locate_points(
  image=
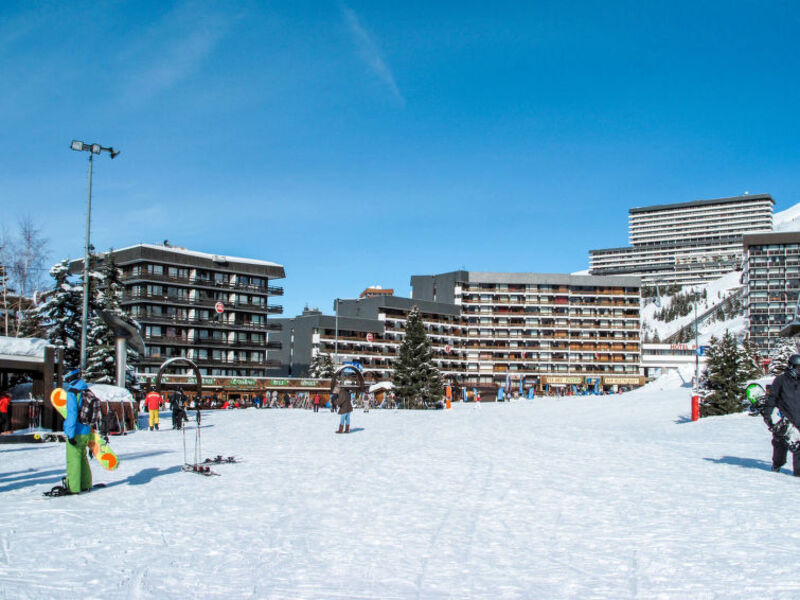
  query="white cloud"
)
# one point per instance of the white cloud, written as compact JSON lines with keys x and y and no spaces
{"x":370,"y":52}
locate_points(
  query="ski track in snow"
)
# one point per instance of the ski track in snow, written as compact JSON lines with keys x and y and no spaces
{"x":599,"y":497}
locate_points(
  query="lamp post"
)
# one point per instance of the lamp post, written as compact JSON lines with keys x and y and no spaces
{"x":336,"y":338}
{"x":92,"y":149}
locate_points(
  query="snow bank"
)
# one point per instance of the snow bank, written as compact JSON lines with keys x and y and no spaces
{"x":787,"y":220}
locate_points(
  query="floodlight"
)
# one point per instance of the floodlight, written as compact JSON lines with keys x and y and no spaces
{"x":95,"y":148}
{"x":76,"y":145}
{"x":113,"y":152}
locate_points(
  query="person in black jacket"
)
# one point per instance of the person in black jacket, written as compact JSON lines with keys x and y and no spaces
{"x":178,"y":400}
{"x":785,"y":396}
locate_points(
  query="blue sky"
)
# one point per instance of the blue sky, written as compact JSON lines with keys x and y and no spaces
{"x":360,"y":143}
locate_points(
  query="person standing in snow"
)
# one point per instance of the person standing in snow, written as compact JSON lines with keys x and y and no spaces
{"x":5,"y":412}
{"x":79,"y":475}
{"x":316,"y":402}
{"x":177,"y":402}
{"x":784,"y":394}
{"x":344,"y":404}
{"x":153,"y":402}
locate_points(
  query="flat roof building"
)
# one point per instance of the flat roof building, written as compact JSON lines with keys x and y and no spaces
{"x":772,"y":283}
{"x":175,"y":293}
{"x":688,"y":242}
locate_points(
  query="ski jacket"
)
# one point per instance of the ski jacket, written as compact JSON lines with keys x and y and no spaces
{"x":153,"y":401}
{"x":4,"y":401}
{"x":344,"y":404}
{"x":72,"y":426}
{"x":176,"y":402}
{"x":785,"y":395}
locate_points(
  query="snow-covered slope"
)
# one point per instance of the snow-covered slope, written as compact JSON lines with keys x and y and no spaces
{"x":591,"y":497}
{"x":716,"y":292}
{"x":787,"y":220}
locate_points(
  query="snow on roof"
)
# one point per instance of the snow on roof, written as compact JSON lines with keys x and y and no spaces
{"x":22,"y":347}
{"x":110,"y":393}
{"x":188,"y":252}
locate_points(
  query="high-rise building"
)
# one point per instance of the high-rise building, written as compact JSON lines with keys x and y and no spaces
{"x":771,"y":276}
{"x":209,"y":308}
{"x":688,"y":242}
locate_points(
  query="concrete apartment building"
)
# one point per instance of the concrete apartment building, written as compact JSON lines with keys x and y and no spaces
{"x":174,"y":293}
{"x":688,"y":242}
{"x":368,"y":331}
{"x":772,"y":283}
{"x":533,"y":329}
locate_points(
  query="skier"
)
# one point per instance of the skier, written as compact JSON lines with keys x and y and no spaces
{"x":317,"y":402}
{"x":5,"y":412}
{"x":344,"y":403}
{"x":153,"y":403}
{"x":178,"y":412}
{"x":79,"y":475}
{"x":784,"y":394}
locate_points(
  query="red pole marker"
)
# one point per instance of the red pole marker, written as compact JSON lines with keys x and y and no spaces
{"x":695,"y":407}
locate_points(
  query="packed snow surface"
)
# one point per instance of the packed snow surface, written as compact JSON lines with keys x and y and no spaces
{"x":592,"y":497}
{"x":24,"y":347}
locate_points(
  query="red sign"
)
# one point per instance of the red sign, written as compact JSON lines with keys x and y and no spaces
{"x":370,"y":337}
{"x":447,"y":349}
{"x":219,"y":307}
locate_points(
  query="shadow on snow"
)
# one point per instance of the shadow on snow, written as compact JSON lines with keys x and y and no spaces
{"x":745,"y":463}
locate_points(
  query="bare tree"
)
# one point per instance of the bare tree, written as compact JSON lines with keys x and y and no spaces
{"x":24,"y":256}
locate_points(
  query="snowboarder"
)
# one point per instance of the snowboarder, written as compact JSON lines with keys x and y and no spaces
{"x":784,"y":394}
{"x":79,"y":475}
{"x":5,"y":412}
{"x":153,"y":403}
{"x":344,"y":403}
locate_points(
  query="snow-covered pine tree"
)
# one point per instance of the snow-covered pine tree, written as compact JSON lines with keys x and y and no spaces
{"x":749,"y":362}
{"x":101,"y":359}
{"x":32,"y":324}
{"x":416,"y":381}
{"x":723,"y":379}
{"x":321,"y":366}
{"x":780,"y":356}
{"x":60,"y":314}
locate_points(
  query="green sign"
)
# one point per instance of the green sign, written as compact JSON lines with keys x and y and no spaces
{"x":244,"y":382}
{"x":278,"y":382}
{"x":308,"y":383}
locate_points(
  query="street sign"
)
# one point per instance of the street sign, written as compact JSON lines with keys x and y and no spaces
{"x":447,"y":349}
{"x":219,"y":307}
{"x":701,"y":351}
{"x":370,"y":337}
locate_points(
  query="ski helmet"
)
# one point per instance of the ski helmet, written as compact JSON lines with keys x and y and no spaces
{"x":794,"y":361}
{"x":74,"y":375}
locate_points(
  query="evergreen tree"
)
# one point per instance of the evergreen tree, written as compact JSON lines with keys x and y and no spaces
{"x":32,"y":323}
{"x":60,"y":314}
{"x":321,"y":366}
{"x":750,"y":363}
{"x":101,"y":341}
{"x":416,"y":381}
{"x":724,"y":378}
{"x":780,"y":357}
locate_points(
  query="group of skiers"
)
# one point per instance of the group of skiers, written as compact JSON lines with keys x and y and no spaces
{"x":153,"y":403}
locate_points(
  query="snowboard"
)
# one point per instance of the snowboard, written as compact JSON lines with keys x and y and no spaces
{"x":97,"y":445}
{"x":756,"y":395}
{"x":60,"y":490}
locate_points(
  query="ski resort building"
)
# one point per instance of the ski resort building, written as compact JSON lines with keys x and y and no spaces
{"x":688,"y":242}
{"x":210,"y":308}
{"x":524,"y":330}
{"x":772,"y":283}
{"x":368,"y":332}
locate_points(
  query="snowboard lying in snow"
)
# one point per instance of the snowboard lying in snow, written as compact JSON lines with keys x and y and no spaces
{"x":97,"y":445}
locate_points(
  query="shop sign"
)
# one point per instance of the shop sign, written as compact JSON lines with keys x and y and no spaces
{"x":244,"y":382}
{"x":562,"y":380}
{"x":308,"y":383}
{"x":278,"y":382}
{"x":621,"y":380}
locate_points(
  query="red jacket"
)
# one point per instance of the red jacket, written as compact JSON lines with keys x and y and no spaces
{"x":153,"y":401}
{"x":4,"y":400}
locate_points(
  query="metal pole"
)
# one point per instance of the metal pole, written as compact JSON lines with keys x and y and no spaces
{"x":336,"y":339}
{"x":122,"y":360}
{"x":696,"y":351}
{"x":84,"y":319}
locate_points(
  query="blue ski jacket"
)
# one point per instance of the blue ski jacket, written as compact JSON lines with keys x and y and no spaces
{"x":71,"y":425}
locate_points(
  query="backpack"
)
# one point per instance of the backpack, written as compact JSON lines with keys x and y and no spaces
{"x":88,"y":408}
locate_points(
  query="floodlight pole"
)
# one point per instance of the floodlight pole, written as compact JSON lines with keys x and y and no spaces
{"x":84,"y":318}
{"x":92,"y":149}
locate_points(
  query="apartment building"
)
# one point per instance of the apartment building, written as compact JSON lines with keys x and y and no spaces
{"x":538,"y":330}
{"x":210,"y":308}
{"x":688,"y":242}
{"x":772,"y":283}
{"x":368,"y":331}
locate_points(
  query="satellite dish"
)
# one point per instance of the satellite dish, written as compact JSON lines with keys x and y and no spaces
{"x":123,"y":330}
